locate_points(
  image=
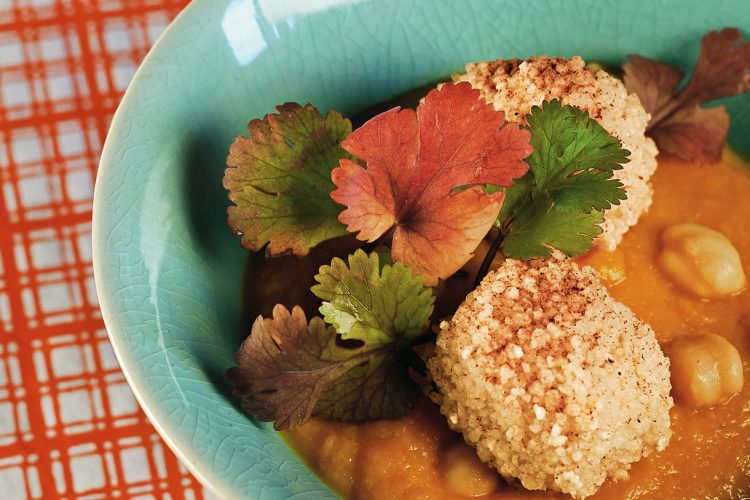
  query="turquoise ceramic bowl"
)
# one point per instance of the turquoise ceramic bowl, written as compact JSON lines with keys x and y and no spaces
{"x":168,"y":270}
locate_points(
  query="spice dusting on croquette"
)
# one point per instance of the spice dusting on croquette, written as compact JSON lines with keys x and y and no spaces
{"x":553,"y":381}
{"x":514,"y":86}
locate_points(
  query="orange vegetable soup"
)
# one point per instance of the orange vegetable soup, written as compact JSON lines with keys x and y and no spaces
{"x":709,"y":453}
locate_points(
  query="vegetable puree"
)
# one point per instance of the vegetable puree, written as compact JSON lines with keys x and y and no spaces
{"x":709,"y":453}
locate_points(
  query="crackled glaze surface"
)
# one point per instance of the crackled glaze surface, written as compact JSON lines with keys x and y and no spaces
{"x":168,"y":270}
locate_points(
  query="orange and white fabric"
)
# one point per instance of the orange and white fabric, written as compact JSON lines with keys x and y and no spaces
{"x":69,"y":424}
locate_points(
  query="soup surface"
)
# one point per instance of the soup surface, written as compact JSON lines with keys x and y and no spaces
{"x":709,"y":453}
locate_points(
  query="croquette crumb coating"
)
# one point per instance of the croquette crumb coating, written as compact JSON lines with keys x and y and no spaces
{"x":514,"y":86}
{"x":552,"y":380}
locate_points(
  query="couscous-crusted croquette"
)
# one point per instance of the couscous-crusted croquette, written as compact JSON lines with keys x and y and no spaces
{"x":553,"y":381}
{"x":514,"y":86}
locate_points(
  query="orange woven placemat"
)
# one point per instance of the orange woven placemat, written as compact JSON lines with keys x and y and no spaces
{"x":69,"y":425}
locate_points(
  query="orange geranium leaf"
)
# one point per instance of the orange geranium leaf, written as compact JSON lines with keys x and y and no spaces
{"x":414,"y":161}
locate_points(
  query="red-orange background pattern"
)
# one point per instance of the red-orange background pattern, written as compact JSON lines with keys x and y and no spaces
{"x":69,"y":425}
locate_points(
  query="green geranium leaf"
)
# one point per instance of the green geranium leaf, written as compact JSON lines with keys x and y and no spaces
{"x":279,"y":180}
{"x":355,"y":370}
{"x":365,"y":303}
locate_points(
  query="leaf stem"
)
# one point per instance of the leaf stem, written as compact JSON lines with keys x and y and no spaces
{"x":412,"y":360}
{"x":494,"y":248}
{"x":667,"y":110}
{"x":428,"y":337}
{"x":384,"y":240}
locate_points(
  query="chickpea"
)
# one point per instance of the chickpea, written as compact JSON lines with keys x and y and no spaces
{"x":706,"y":370}
{"x":701,"y":261}
{"x":464,"y":473}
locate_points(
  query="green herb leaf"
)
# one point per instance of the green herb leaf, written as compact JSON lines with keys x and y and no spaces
{"x":289,"y":369}
{"x":540,"y":226}
{"x":376,"y":307}
{"x":518,"y":193}
{"x":559,"y":202}
{"x":279,"y":180}
{"x":588,"y":190}
{"x":567,"y":142}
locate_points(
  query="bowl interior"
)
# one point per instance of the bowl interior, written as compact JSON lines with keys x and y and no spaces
{"x":168,"y":271}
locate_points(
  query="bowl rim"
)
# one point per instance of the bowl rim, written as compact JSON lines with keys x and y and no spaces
{"x":105,"y":161}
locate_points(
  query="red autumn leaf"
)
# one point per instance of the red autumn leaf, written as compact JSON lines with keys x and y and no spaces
{"x":414,"y":162}
{"x":695,"y":133}
{"x":654,"y":82}
{"x":678,"y":124}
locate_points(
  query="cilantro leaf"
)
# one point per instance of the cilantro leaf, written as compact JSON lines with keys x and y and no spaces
{"x":515,"y":195}
{"x":289,"y":369}
{"x":559,"y":202}
{"x":568,"y":143}
{"x":588,"y":190}
{"x":375,"y":306}
{"x":279,"y":180}
{"x":540,"y":226}
{"x":413,"y":163}
{"x":678,"y":124}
